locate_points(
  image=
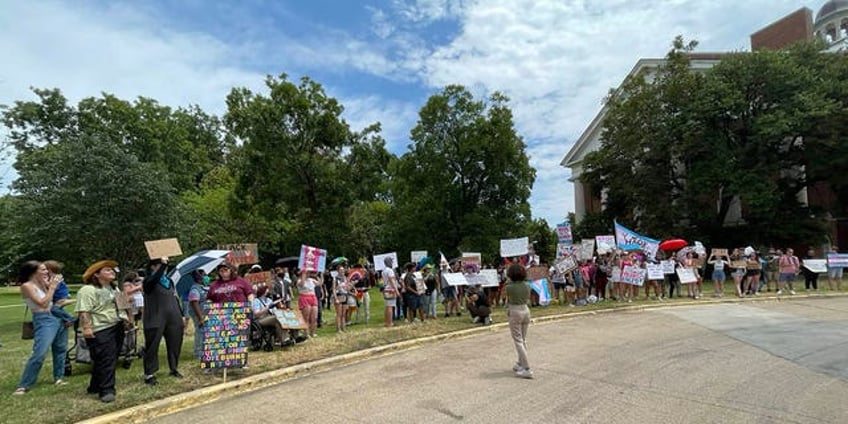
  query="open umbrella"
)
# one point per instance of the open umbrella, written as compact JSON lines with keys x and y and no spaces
{"x":340,"y":259}
{"x":206,"y":260}
{"x":287,"y":262}
{"x":673,"y":244}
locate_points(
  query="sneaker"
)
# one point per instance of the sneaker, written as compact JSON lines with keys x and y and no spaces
{"x":476,"y":320}
{"x":487,"y":321}
{"x":516,"y":367}
{"x":150,"y":380}
{"x":20,"y":391}
{"x":791,"y":291}
{"x":524,"y":374}
{"x":61,"y":382}
{"x":779,"y":292}
{"x":107,"y":398}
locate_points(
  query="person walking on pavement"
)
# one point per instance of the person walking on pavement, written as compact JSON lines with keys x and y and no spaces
{"x":163,"y":316}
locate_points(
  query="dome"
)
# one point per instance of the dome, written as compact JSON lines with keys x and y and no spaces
{"x":830,"y":7}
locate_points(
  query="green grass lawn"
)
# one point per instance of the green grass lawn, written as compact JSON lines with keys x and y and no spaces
{"x":46,"y":403}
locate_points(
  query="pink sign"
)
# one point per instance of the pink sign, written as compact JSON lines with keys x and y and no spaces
{"x":312,"y":259}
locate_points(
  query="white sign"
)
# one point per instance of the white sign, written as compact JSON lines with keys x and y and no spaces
{"x":655,"y":271}
{"x":564,"y":249}
{"x":379,"y":261}
{"x":616,"y":274}
{"x":491,"y":277}
{"x":633,"y":275}
{"x":565,"y":264}
{"x":605,"y":244}
{"x":472,"y":258}
{"x":686,"y":275}
{"x":417,"y":255}
{"x":587,"y":249}
{"x":668,"y":266}
{"x":511,"y":248}
{"x":815,"y":265}
{"x":455,"y":278}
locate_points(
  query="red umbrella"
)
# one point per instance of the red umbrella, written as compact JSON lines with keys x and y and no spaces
{"x":673,"y":244}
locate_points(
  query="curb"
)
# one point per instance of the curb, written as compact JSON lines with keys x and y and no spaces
{"x":194,"y":398}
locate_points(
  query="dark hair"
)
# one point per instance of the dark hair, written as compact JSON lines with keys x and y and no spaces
{"x":54,"y":266}
{"x":409,"y":267}
{"x":27,"y":269}
{"x":516,"y":272}
{"x":130,"y":277}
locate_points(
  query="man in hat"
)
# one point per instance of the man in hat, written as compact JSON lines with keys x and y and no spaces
{"x":102,"y":327}
{"x":163,"y":316}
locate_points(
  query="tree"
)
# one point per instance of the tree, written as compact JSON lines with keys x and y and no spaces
{"x":466,"y":180}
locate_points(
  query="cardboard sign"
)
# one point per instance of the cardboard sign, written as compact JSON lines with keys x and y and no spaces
{"x":668,"y":266}
{"x":472,"y":258}
{"x":566,"y":264}
{"x":718,"y":253}
{"x":290,"y":319}
{"x":739,"y":264}
{"x":241,"y":254}
{"x":537,"y":273}
{"x":511,"y":248}
{"x":312,"y":259}
{"x":417,"y":255}
{"x":226,"y":335}
{"x":455,"y":278}
{"x":837,"y":260}
{"x":655,"y":271}
{"x":258,"y":277}
{"x":633,"y":275}
{"x":380,"y":261}
{"x":816,"y":265}
{"x":163,"y":248}
{"x":687,"y":275}
{"x":123,"y":301}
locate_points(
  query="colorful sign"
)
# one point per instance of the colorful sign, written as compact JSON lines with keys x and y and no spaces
{"x":242,"y":253}
{"x":258,"y":277}
{"x":837,"y":260}
{"x":226,"y":335}
{"x":312,"y":259}
{"x":606,"y":244}
{"x":633,"y":275}
{"x":564,"y":232}
{"x":290,"y":319}
{"x":630,"y":240}
{"x":511,"y":248}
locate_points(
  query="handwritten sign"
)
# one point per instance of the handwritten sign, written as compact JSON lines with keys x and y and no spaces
{"x":514,"y":247}
{"x":226,"y":336}
{"x":312,"y":259}
{"x":686,"y":275}
{"x":655,"y":271}
{"x":417,"y":255}
{"x":633,"y":275}
{"x":258,"y":277}
{"x":290,"y":319}
{"x":380,"y":261}
{"x":815,"y":265}
{"x":587,"y":249}
{"x":491,"y":277}
{"x":163,"y":248}
{"x":472,"y":258}
{"x":739,"y":264}
{"x":566,"y":264}
{"x":717,"y":253}
{"x":605,"y":244}
{"x":564,"y":249}
{"x":241,"y":254}
{"x":537,"y":273}
{"x":564,"y":232}
{"x":837,"y":260}
{"x":455,"y":278}
{"x":668,"y":266}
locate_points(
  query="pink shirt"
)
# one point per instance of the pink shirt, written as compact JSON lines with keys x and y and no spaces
{"x":788,"y":264}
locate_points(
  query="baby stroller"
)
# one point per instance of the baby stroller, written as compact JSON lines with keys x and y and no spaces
{"x":80,"y":354}
{"x":129,"y":348}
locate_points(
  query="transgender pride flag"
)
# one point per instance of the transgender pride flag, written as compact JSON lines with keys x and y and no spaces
{"x":540,"y":286}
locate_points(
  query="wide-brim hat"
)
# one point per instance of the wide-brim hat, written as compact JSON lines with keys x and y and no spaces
{"x":97,"y":266}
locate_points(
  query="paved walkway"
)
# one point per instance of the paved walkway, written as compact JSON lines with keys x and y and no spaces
{"x":770,"y":362}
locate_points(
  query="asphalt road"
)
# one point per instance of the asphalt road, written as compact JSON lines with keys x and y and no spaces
{"x":770,"y":362}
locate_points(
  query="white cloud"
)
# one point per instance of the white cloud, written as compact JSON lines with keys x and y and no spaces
{"x":396,"y":118}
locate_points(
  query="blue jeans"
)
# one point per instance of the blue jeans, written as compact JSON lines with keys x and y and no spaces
{"x":62,"y":314}
{"x":48,"y":332}
{"x":430,"y":302}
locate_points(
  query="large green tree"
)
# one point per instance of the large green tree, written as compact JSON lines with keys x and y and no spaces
{"x":466,"y":180}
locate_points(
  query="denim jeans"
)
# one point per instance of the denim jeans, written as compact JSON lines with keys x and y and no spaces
{"x":430,"y":302}
{"x":49,"y":332}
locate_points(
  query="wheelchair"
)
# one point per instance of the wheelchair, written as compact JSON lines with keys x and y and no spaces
{"x":261,"y":338}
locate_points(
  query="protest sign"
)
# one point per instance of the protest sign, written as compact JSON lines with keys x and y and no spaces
{"x":564,"y":232}
{"x":605,"y":244}
{"x":511,"y":248}
{"x":417,"y":255}
{"x":123,"y":301}
{"x":241,"y":253}
{"x":472,"y":258}
{"x":837,"y":260}
{"x":668,"y":266}
{"x":380,"y":261}
{"x":564,"y":249}
{"x":455,"y":278}
{"x":739,"y":264}
{"x":686,"y":275}
{"x":717,"y":253}
{"x":630,"y":240}
{"x":566,"y":264}
{"x":537,"y":273}
{"x":615,"y":275}
{"x":163,"y":248}
{"x":290,"y":319}
{"x":655,"y":271}
{"x":225,"y":335}
{"x":257,"y":277}
{"x":815,"y":265}
{"x":491,"y":277}
{"x":312,"y":259}
{"x":633,"y":275}
{"x":587,"y":249}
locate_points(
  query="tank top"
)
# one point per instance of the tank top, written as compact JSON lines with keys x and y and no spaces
{"x":34,"y":306}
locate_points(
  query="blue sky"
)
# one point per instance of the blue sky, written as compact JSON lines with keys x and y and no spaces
{"x":556,"y":60}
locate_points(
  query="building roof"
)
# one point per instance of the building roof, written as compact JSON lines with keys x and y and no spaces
{"x":831,"y":7}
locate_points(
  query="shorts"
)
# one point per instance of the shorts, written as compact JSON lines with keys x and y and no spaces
{"x":753,"y":272}
{"x":449,"y":292}
{"x":307,"y":301}
{"x":786,"y":277}
{"x":351,"y":300}
{"x":738,"y":272}
{"x":559,"y":286}
{"x":341,"y":298}
{"x":835,"y":273}
{"x":719,"y":276}
{"x":413,"y":301}
{"x":391,"y":302}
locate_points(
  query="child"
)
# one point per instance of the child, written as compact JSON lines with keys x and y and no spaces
{"x":62,"y":296}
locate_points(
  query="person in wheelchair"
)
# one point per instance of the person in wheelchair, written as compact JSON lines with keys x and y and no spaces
{"x":263,"y":315}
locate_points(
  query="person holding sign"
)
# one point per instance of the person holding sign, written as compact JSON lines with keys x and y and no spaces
{"x":719,"y":276}
{"x":163,"y":317}
{"x":752,"y":275}
{"x":834,"y":273}
{"x":739,"y":269}
{"x":789,"y":267}
{"x":811,"y":278}
{"x":307,"y":302}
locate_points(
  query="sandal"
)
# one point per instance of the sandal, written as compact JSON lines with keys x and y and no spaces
{"x":19,"y":391}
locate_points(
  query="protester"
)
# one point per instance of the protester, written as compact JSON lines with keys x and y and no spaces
{"x":391,"y":290}
{"x":196,"y":299}
{"x":163,"y":318}
{"x":738,"y":271}
{"x":719,"y":276}
{"x":834,"y":274}
{"x":430,"y":292}
{"x":811,"y":278}
{"x":789,"y":267}
{"x":307,"y":302}
{"x":752,"y":274}
{"x":451,"y":301}
{"x":518,"y":294}
{"x":479,"y":307}
{"x":772,"y":268}
{"x":263,"y":313}
{"x":37,"y":291}
{"x":229,"y":287}
{"x":340,"y":293}
{"x":103,"y":326}
{"x":363,"y":286}
{"x":411,"y":297}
